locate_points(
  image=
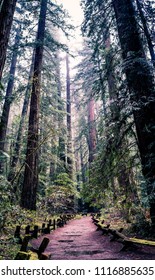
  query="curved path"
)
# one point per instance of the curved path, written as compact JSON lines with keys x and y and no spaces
{"x":79,"y":240}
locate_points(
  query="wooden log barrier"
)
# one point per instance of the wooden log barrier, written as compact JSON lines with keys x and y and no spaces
{"x":54,"y":224}
{"x":17,"y":234}
{"x":24,"y":255}
{"x":105,"y":229}
{"x":27,"y":229}
{"x":59,"y":223}
{"x":43,"y":228}
{"x":47,"y":230}
{"x":95,"y":221}
{"x":40,"y":250}
{"x":100,"y":226}
{"x":133,"y":242}
{"x":116,"y":234}
{"x":35,"y":232}
{"x":65,"y":219}
{"x":25,"y":243}
{"x":45,"y":256}
{"x":129,"y":242}
{"x":43,"y":246}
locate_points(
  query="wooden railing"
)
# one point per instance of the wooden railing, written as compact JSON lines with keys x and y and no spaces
{"x":23,"y":238}
{"x":117,"y":235}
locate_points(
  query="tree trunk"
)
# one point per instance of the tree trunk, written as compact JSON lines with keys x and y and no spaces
{"x":146,"y":30}
{"x":61,"y":148}
{"x":69,"y":125}
{"x":92,"y":130}
{"x":6,"y":18}
{"x":8,"y":99}
{"x":112,"y":88}
{"x":83,"y":169}
{"x":60,"y":153}
{"x":29,"y":190}
{"x":141,"y":85}
{"x":18,"y":142}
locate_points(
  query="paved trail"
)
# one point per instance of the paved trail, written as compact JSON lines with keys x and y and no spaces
{"x":79,"y":240}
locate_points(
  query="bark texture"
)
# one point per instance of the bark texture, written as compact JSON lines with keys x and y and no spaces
{"x":92,"y":129}
{"x":142,"y":91}
{"x":18,"y":142}
{"x":7,"y":9}
{"x":8,"y":99}
{"x":30,"y":184}
{"x":69,"y":123}
{"x":146,"y":30}
{"x":61,"y":149}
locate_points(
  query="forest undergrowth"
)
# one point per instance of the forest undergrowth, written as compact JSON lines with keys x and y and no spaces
{"x":9,"y":245}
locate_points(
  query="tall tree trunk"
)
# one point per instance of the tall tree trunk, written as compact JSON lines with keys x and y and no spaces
{"x":146,"y":30}
{"x":30,"y":184}
{"x":8,"y":100}
{"x":102,"y":87}
{"x":111,"y":79}
{"x":141,"y":85}
{"x":6,"y":18}
{"x":18,"y":142}
{"x":83,"y":169}
{"x":92,"y":129}
{"x":69,"y":124}
{"x":61,"y":148}
{"x":69,"y":129}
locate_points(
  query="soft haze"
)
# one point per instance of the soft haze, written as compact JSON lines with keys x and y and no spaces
{"x":74,"y":9}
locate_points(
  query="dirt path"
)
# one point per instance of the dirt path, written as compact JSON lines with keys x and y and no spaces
{"x":79,"y":240}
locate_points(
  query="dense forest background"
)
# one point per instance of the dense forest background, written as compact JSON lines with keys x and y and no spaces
{"x":77,"y":128}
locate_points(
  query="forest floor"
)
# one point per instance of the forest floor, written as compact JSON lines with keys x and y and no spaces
{"x":79,"y":240}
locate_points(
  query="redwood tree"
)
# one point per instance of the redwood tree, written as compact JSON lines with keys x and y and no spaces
{"x":18,"y":142}
{"x":7,"y":9}
{"x":142,"y":91}
{"x":146,"y":30}
{"x":69,"y":124}
{"x":61,"y":147}
{"x":29,"y":190}
{"x":8,"y":99}
{"x":91,"y":128}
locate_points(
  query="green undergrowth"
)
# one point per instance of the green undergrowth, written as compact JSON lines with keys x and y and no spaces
{"x":18,"y":216}
{"x":138,"y":226}
{"x":8,"y":247}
